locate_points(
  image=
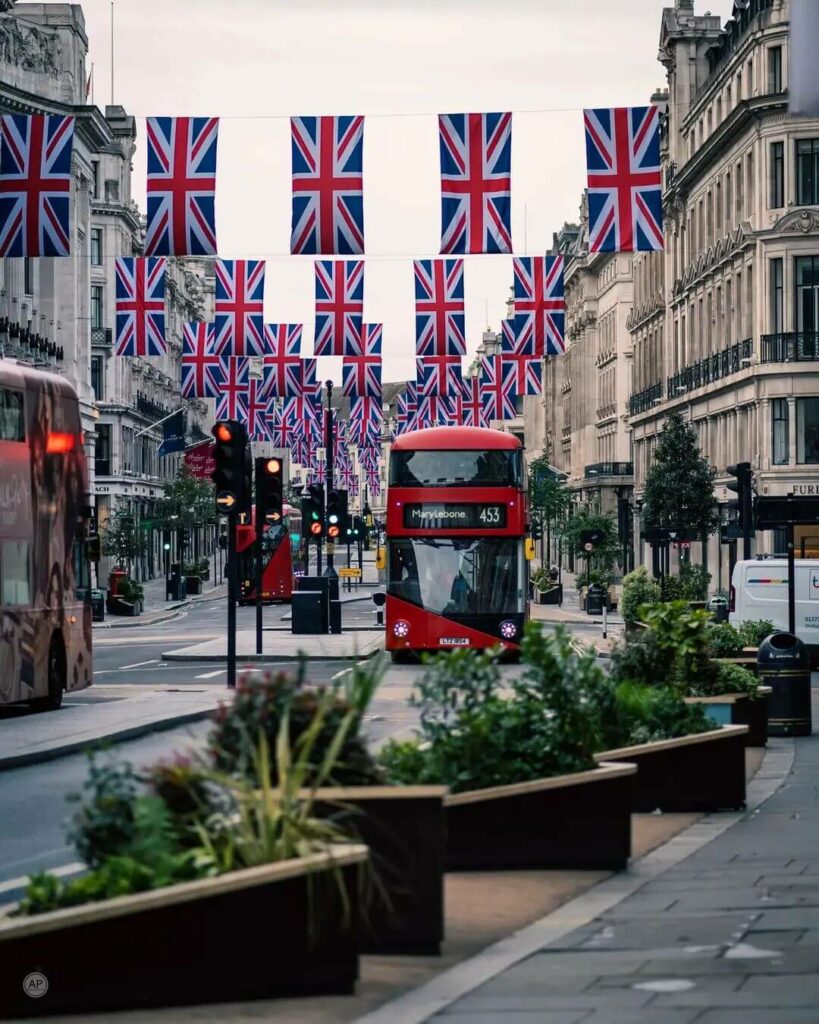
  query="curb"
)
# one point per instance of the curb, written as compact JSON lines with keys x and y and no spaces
{"x":172,"y":612}
{"x":124,"y":733}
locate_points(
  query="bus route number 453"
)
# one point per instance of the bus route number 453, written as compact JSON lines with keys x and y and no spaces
{"x":490,"y":515}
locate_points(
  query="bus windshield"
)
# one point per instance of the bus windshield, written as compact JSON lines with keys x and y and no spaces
{"x":457,"y":577}
{"x":479,"y":468}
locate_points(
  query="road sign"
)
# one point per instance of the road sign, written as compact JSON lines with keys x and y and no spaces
{"x":225,"y":500}
{"x":588,"y":547}
{"x":349,"y":573}
{"x":771,"y":512}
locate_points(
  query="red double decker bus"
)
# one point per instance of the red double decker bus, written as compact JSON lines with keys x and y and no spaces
{"x":457,"y":573}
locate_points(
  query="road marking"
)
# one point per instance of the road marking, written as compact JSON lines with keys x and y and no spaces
{"x":138,"y":664}
{"x":20,"y":883}
{"x":210,"y":675}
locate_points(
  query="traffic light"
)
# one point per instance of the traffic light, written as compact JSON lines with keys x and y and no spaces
{"x":93,"y":547}
{"x":537,"y":529}
{"x":334,"y":515}
{"x":312,"y":513}
{"x":270,"y":489}
{"x":166,"y":540}
{"x":232,"y":473}
{"x":184,"y":537}
{"x":741,"y":483}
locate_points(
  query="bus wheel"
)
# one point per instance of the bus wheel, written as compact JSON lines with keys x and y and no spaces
{"x":56,"y":675}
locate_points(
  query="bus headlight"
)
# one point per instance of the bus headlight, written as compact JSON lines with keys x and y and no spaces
{"x":400,"y":628}
{"x":509,"y":629}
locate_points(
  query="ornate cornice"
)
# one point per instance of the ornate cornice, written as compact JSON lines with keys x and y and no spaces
{"x":716,"y":255}
{"x":803,"y":221}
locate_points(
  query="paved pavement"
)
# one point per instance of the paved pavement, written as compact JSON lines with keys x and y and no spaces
{"x":730,"y":935}
{"x":352,"y":643}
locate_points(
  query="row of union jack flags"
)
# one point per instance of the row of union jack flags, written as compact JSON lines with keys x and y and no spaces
{"x":340,"y":330}
{"x":623,"y":178}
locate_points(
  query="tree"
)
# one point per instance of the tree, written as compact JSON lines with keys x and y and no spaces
{"x":120,"y":537}
{"x":679,"y":491}
{"x":187,"y":501}
{"x":549,"y":498}
{"x":604,"y":557}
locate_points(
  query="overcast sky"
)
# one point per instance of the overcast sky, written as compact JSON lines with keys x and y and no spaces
{"x":399,"y":62}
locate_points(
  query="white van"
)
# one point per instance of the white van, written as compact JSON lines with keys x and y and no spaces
{"x":759,"y":590}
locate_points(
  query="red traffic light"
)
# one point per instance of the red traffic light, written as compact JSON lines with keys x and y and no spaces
{"x":333,"y":531}
{"x":315,"y":529}
{"x":273,"y":466}
{"x":223,"y":433}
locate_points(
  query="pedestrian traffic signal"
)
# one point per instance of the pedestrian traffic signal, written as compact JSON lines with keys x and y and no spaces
{"x":232,"y":472}
{"x":312,"y":512}
{"x":270,"y":489}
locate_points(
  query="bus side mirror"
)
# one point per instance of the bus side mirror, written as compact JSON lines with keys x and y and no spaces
{"x":529,"y":549}
{"x":381,"y":559}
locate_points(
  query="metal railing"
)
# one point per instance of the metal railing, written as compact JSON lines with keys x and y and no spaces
{"x":147,"y":407}
{"x":610,"y":469}
{"x":714,"y":367}
{"x":790,"y":348}
{"x":645,"y":400}
{"x":101,"y":336}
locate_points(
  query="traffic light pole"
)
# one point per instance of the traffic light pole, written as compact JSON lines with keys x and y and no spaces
{"x":232,"y":582}
{"x":329,"y":455}
{"x":260,"y":520}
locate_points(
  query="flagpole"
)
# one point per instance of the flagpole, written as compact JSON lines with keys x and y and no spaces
{"x":158,"y":423}
{"x":112,"y":53}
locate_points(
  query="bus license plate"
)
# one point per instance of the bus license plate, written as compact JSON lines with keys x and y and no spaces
{"x":453,"y":641}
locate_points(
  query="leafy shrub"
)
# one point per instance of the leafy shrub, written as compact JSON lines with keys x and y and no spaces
{"x":258,"y":707}
{"x":694,"y":582}
{"x":642,"y":661}
{"x":753,"y":632}
{"x":105,"y":824}
{"x":724,"y":641}
{"x":728,"y":679}
{"x":682,"y":634}
{"x":648,"y":713}
{"x":130,"y":590}
{"x":473,"y":736}
{"x":638,"y":589}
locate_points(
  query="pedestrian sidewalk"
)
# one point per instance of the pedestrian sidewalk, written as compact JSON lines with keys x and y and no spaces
{"x":156,"y":609}
{"x":32,"y":738}
{"x":351,"y":644}
{"x":720,"y":926}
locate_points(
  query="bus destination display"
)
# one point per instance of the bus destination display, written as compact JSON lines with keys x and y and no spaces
{"x":448,"y":515}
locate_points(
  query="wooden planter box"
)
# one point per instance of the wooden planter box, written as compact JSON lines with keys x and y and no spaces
{"x":404,"y":828}
{"x":275,"y":930}
{"x":193,"y":585}
{"x":582,"y":820}
{"x":739,"y":709}
{"x":705,"y":772}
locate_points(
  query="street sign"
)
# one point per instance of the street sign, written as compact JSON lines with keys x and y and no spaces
{"x":782,"y":511}
{"x":349,"y":573}
{"x":225,"y":501}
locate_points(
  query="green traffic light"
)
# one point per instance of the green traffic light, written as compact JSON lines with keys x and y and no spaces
{"x":333,"y":519}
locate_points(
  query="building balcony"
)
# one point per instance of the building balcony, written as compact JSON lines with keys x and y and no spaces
{"x":613,"y":469}
{"x":645,"y":400}
{"x":101,"y":337}
{"x":790,"y":348}
{"x":147,"y":407}
{"x":712,"y":368}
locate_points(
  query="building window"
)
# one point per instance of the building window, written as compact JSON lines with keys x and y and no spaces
{"x":98,"y":377}
{"x":28,"y":276}
{"x":807,"y":172}
{"x":780,"y":440}
{"x":777,"y":320}
{"x":96,"y":307}
{"x":807,"y":431}
{"x":96,"y":247}
{"x":95,"y":171}
{"x":777,"y":200}
{"x":102,"y":453}
{"x":775,"y":69}
{"x":807,"y":294}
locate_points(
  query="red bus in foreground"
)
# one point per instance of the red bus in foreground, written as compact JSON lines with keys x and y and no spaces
{"x":45,"y":611}
{"x":456,"y":531}
{"x":277,"y":560}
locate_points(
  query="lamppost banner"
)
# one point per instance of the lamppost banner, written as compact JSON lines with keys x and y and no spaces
{"x":199,"y":460}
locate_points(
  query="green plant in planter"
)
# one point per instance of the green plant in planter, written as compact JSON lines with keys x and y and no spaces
{"x":753,"y":632}
{"x":648,"y":713}
{"x":474,"y":735}
{"x":729,"y":678}
{"x":724,"y":641}
{"x":260,"y":701}
{"x":130,"y":590}
{"x":682,"y":633}
{"x":638,"y":589}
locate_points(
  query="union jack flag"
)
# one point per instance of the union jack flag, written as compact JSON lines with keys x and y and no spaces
{"x":240,"y":307}
{"x":438,"y":375}
{"x":140,"y":307}
{"x":362,"y":373}
{"x":497,"y":389}
{"x":35,"y":184}
{"x":202,"y":368}
{"x":318,"y":473}
{"x":303,"y":410}
{"x":282,"y":365}
{"x":328,"y":185}
{"x":258,"y":412}
{"x":374,"y":482}
{"x":525,"y":372}
{"x":439,"y":307}
{"x":348,"y":478}
{"x":339,"y":307}
{"x":300,"y":450}
{"x":366,"y":417}
{"x":181,"y":186}
{"x":476,"y":182}
{"x":623,"y":162}
{"x":540,"y":305}
{"x":437,"y":411}
{"x":472,"y":410}
{"x":232,"y":403}
{"x":285,"y":427}
{"x":368,"y":458}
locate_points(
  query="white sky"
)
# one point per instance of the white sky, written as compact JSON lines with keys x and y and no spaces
{"x":400,"y":62}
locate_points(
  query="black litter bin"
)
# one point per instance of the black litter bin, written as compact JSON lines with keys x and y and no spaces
{"x":783,"y":664}
{"x":97,"y":606}
{"x":594,"y":599}
{"x":311,"y":605}
{"x":176,"y":588}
